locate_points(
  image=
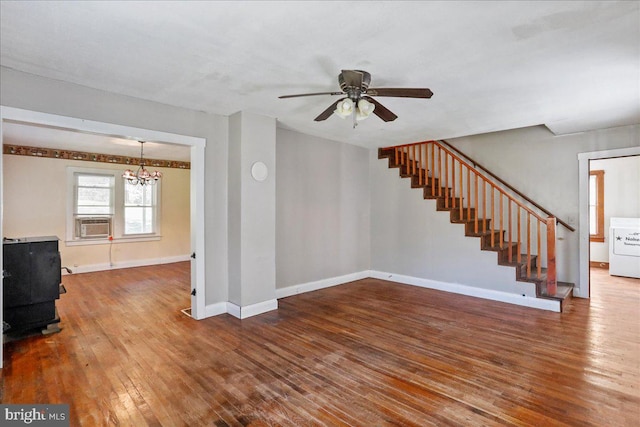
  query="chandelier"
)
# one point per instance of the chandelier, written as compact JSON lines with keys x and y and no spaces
{"x":141,"y":176}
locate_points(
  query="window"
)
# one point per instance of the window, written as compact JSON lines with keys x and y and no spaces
{"x":102,"y":204}
{"x":139,"y":208}
{"x":93,"y":194}
{"x":596,"y":206}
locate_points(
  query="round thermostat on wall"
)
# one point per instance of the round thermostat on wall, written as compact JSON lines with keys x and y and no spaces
{"x":259,"y":171}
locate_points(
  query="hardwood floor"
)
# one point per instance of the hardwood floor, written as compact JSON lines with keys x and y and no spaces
{"x":368,"y":353}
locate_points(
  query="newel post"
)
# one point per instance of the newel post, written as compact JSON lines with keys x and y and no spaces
{"x":552,"y":285}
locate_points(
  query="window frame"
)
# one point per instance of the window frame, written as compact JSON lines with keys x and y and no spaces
{"x":117,"y":216}
{"x":598,"y":237}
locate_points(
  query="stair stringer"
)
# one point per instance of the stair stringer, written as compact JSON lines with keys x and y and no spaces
{"x":410,"y":238}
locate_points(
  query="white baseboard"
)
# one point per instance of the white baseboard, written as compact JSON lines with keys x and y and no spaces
{"x":320,"y":284}
{"x":517,"y":299}
{"x":215,"y":309}
{"x":251,"y":310}
{"x":126,"y":264}
{"x":263,"y":307}
{"x":580,"y":293}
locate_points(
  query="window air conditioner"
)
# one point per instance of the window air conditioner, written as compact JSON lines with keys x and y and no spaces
{"x":93,"y":228}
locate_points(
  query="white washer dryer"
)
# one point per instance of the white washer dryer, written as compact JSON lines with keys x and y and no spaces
{"x":624,"y":247}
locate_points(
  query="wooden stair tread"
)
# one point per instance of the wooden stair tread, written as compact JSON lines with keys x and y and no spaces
{"x":497,"y":247}
{"x":468,"y":216}
{"x":564,"y":294}
{"x":564,"y":291}
{"x":495,"y":231}
{"x":523,"y":260}
{"x":534,"y":278}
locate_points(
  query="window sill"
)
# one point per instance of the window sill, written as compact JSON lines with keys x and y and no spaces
{"x":132,"y":239}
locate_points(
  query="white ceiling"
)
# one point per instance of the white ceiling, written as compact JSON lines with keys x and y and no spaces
{"x":492,"y":66}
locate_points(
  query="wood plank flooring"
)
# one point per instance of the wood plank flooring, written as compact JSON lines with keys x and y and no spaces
{"x":368,"y":353}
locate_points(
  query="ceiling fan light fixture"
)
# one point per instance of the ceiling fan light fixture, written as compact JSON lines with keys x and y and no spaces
{"x":357,"y":98}
{"x":344,"y":108}
{"x":365,"y":108}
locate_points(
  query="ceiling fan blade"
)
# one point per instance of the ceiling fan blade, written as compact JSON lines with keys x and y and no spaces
{"x":328,"y":112}
{"x":401,"y":92}
{"x":310,"y":94}
{"x":352,"y":78}
{"x":381,"y":111}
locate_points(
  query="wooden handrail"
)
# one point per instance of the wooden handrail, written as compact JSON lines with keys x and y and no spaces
{"x":446,"y":172}
{"x":492,"y":185}
{"x":510,"y":187}
{"x":494,"y":176}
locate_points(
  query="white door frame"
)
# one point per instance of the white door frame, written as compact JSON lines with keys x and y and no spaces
{"x":197,"y":182}
{"x":583,"y":207}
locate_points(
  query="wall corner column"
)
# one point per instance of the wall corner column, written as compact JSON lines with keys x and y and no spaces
{"x":252,"y":214}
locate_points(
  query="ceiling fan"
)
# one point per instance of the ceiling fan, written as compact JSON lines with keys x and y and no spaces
{"x":358,"y":100}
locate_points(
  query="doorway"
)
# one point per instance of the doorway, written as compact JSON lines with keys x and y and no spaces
{"x":614,"y":197}
{"x":196,"y":146}
{"x":584,"y":170}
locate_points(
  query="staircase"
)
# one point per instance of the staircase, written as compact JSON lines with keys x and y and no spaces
{"x":522,"y":233}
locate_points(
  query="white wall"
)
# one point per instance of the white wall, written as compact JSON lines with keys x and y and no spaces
{"x":409,"y":237}
{"x":621,"y":196}
{"x":545,"y":167}
{"x":235,"y":208}
{"x":252,"y":229}
{"x":322,"y":209}
{"x":26,"y":91}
